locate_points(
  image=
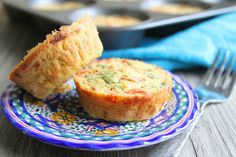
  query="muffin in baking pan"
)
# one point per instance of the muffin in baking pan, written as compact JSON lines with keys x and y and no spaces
{"x":60,"y":6}
{"x":176,"y":9}
{"x":123,"y":90}
{"x":115,"y":20}
{"x":51,"y":63}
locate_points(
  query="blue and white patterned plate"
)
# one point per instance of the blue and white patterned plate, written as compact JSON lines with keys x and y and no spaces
{"x":60,"y":120}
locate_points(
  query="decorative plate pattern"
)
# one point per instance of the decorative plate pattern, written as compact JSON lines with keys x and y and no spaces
{"x":60,"y":120}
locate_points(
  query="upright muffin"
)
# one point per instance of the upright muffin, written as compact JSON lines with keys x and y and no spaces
{"x":54,"y":61}
{"x":122,"y":89}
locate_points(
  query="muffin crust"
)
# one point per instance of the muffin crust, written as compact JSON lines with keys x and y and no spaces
{"x":51,"y":63}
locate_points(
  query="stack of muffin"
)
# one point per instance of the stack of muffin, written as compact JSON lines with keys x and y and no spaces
{"x":111,"y":89}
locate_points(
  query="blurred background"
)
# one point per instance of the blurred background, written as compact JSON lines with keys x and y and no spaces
{"x":121,"y":23}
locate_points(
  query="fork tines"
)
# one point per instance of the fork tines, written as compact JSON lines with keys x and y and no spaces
{"x":221,"y":75}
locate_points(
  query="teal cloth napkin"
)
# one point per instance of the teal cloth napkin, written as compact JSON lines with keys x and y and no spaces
{"x":195,"y":46}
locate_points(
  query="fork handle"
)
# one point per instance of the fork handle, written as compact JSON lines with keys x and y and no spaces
{"x":181,"y":140}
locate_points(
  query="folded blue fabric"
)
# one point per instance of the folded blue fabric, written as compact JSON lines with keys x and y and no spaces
{"x":196,"y":46}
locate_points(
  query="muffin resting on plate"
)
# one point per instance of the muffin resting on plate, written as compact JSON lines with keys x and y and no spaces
{"x":122,"y":89}
{"x":54,"y":61}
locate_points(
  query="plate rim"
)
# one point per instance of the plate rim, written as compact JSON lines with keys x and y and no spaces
{"x":124,"y":146}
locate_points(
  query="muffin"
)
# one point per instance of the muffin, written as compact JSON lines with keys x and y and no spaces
{"x":176,"y":9}
{"x":115,"y":20}
{"x":122,"y":90}
{"x":60,"y":6}
{"x":54,"y":61}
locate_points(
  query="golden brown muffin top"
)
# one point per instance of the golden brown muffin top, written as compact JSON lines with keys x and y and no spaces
{"x":122,"y":76}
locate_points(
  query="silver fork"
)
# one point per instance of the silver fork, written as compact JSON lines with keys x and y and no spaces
{"x":215,"y":87}
{"x":218,"y":82}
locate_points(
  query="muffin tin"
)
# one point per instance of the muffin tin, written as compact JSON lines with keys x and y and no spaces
{"x":116,"y":37}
